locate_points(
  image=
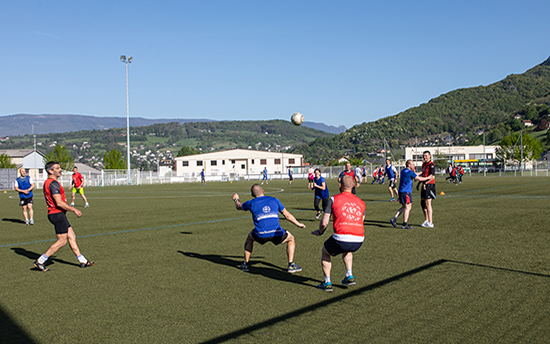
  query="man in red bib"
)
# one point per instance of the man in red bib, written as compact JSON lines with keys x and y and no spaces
{"x":348,"y":213}
{"x":57,"y":207}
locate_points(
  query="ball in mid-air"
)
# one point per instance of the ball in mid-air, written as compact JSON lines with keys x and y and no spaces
{"x":297,"y":118}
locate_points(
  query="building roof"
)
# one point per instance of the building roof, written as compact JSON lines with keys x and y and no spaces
{"x":237,"y":154}
{"x":18,"y":153}
{"x":83,"y":168}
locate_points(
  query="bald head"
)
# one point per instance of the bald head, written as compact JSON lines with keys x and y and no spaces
{"x":346,"y":183}
{"x":256,"y":190}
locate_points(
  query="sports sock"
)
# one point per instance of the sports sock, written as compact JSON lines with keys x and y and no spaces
{"x":404,"y":223}
{"x":81,"y":259}
{"x":348,"y":273}
{"x":42,"y":259}
{"x":327,"y":279}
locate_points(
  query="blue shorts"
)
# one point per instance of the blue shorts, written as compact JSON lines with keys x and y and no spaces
{"x":335,"y":247}
{"x":405,"y":198}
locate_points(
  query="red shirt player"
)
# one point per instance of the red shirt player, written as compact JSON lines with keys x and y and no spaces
{"x":78,"y":186}
{"x":428,"y":189}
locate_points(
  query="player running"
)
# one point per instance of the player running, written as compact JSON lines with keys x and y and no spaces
{"x":265,"y":214}
{"x":405,"y":193}
{"x":78,"y":186}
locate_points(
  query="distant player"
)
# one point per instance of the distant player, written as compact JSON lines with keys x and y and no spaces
{"x":310,"y":177}
{"x":264,"y":176}
{"x":428,"y":189}
{"x":321,"y":192}
{"x":24,"y":185}
{"x":78,"y":186}
{"x":349,"y":172}
{"x":290,"y":176}
{"x":265,"y":214}
{"x":460,"y":173}
{"x":391,"y":172}
{"x":405,"y":194}
{"x":348,"y":214}
{"x":203,"y":178}
{"x":357,"y":172}
{"x":57,"y":207}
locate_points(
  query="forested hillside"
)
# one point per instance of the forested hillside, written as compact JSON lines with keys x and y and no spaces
{"x":461,"y":115}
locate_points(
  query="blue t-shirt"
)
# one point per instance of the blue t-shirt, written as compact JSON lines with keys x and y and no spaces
{"x":265,"y":214}
{"x":322,"y":194}
{"x":406,"y":181}
{"x":390,"y":172}
{"x":24,"y":184}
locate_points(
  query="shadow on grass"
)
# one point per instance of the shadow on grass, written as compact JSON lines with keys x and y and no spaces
{"x":257,"y":267}
{"x":14,"y":220}
{"x":11,"y":332}
{"x":356,"y":292}
{"x":381,"y":224}
{"x":186,"y":233}
{"x":34,"y":256}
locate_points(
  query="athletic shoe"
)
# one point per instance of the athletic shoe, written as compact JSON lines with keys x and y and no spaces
{"x":87,"y":205}
{"x":424,"y":224}
{"x":406,"y":227}
{"x":40,"y":267}
{"x":391,"y":200}
{"x":244,"y":267}
{"x":27,"y":223}
{"x":348,"y":280}
{"x":392,"y":221}
{"x":87,"y":264}
{"x":292,"y":268}
{"x":326,"y":286}
{"x":72,"y":204}
{"x":32,"y":222}
{"x":430,"y":225}
{"x":317,"y":216}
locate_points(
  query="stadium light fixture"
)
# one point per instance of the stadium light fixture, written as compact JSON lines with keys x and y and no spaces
{"x":127,"y":61}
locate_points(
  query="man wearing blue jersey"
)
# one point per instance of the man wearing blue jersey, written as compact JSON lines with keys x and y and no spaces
{"x":264,"y":176}
{"x":265,"y":214}
{"x":24,"y":185}
{"x":321,"y":192}
{"x":405,"y":193}
{"x":391,"y":172}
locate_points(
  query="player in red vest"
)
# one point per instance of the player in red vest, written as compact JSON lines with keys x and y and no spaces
{"x":428,"y":189}
{"x":78,"y":186}
{"x":348,"y":214}
{"x":57,"y":207}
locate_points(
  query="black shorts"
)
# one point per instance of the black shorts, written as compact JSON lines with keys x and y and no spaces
{"x":392,"y":183}
{"x":335,"y":247}
{"x":60,"y":222}
{"x":429,"y":192}
{"x":24,"y":201}
{"x":276,"y":240}
{"x":290,"y":178}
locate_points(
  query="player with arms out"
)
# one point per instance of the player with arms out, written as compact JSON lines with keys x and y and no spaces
{"x":24,"y":185}
{"x":57,"y":207}
{"x":348,"y":214}
{"x":428,"y":189}
{"x":405,"y":193}
{"x":265,"y":214}
{"x":78,"y":186}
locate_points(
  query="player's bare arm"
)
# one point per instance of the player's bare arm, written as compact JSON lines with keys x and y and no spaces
{"x":63,"y":205}
{"x":238,"y":204}
{"x":322,"y":225}
{"x":292,"y":219}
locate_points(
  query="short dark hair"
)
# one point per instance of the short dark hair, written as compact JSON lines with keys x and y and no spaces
{"x":49,"y":166}
{"x":427,"y":152}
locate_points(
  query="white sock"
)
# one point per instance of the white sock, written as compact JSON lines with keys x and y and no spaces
{"x":348,"y":273}
{"x":327,"y":279}
{"x":82,"y":259}
{"x":43,"y":259}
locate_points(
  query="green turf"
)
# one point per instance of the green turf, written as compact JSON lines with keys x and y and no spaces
{"x":167,"y":255}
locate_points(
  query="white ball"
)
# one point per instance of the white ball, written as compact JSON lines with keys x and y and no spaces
{"x":297,"y":118}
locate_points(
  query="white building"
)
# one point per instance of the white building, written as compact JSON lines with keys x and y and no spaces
{"x":29,"y":159}
{"x":242,"y":163}
{"x":454,"y":152}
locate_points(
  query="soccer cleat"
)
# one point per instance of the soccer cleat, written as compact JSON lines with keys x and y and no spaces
{"x":392,"y":221}
{"x":87,"y":264}
{"x":317,"y":216}
{"x":326,"y":286}
{"x":244,"y":267}
{"x":292,"y":268}
{"x":40,"y":267}
{"x":406,"y":227}
{"x":424,"y":224}
{"x":348,"y":280}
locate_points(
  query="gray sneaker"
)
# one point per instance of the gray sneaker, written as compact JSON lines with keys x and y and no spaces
{"x":406,"y":227}
{"x":292,"y":268}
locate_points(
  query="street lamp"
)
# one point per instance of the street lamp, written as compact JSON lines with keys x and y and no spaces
{"x":127,"y":61}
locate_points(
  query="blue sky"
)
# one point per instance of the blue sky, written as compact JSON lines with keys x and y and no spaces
{"x":339,"y":63}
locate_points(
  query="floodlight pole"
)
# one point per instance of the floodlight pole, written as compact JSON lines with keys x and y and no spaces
{"x":127,"y":61}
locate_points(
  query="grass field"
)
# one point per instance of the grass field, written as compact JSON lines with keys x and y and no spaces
{"x":167,"y":255}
